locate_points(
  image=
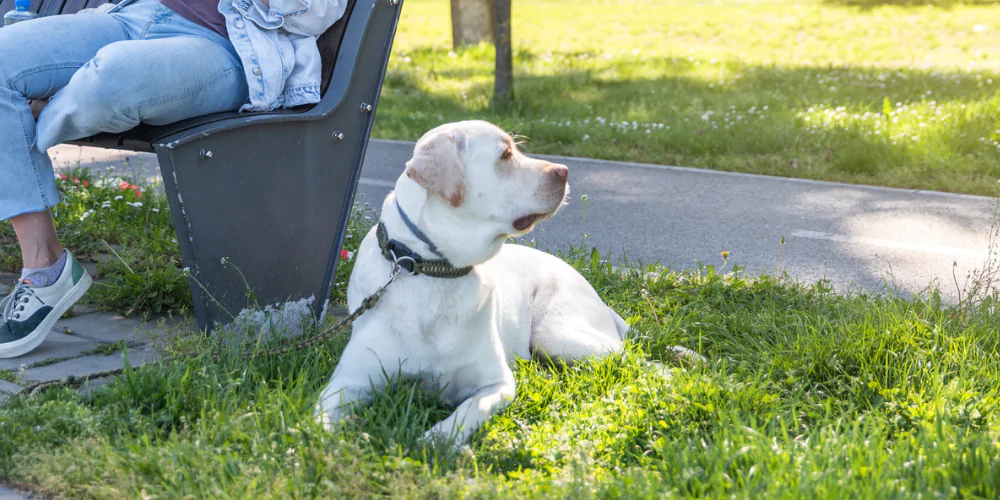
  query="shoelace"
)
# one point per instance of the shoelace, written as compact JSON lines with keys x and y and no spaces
{"x":14,"y":303}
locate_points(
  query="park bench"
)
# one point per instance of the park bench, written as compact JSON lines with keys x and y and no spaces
{"x":271,"y":192}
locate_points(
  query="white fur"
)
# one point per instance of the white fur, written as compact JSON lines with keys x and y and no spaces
{"x":460,"y":335}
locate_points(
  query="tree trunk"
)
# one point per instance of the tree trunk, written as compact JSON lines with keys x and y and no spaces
{"x":503,"y":76}
{"x":471,"y":22}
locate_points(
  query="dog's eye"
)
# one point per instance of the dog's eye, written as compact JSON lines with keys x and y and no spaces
{"x":507,"y":154}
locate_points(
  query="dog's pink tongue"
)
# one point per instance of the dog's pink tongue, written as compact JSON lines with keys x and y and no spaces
{"x":525,"y":222}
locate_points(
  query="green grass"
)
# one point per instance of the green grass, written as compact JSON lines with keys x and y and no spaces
{"x":48,"y":361}
{"x":895,"y":95}
{"x":100,"y":212}
{"x":106,"y":349}
{"x":808,"y":393}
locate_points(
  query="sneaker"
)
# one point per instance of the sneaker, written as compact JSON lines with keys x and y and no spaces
{"x":30,"y":312}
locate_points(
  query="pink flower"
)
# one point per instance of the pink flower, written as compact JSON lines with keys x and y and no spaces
{"x":344,"y":255}
{"x":85,"y":183}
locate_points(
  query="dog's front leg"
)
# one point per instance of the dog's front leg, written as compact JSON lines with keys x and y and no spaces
{"x":359,"y":372}
{"x":473,"y":412}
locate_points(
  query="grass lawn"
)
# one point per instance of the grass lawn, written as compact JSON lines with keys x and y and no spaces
{"x":807,"y":394}
{"x":874,"y":93}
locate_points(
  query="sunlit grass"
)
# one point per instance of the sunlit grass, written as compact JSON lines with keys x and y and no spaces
{"x":807,"y":394}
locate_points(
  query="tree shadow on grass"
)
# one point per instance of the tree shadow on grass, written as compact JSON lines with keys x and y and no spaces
{"x":825,"y":123}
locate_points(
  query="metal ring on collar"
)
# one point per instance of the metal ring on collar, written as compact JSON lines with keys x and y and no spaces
{"x":399,"y":268}
{"x":406,"y":271}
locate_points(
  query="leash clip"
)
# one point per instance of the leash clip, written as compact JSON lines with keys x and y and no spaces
{"x":403,"y":266}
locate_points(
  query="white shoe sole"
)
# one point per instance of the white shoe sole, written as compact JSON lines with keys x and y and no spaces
{"x":29,"y":343}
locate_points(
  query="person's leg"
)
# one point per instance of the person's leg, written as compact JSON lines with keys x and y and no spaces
{"x":118,"y":89}
{"x":36,"y":233}
{"x":178,"y":71}
{"x":43,"y":56}
{"x":49,"y":51}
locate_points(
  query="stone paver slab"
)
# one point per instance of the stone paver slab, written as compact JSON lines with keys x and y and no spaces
{"x":9,"y":494}
{"x":91,"y":268}
{"x":8,"y":387}
{"x":80,"y":309}
{"x":86,"y":365}
{"x":102,"y":327}
{"x":56,"y":345}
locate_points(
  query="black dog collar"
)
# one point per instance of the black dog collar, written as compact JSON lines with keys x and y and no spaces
{"x":401,"y":255}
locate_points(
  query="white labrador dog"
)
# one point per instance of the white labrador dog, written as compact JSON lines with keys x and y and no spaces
{"x":466,"y":190}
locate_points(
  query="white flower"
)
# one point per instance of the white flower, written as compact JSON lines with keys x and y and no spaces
{"x":119,"y":198}
{"x":106,"y":204}
{"x":86,"y":214}
{"x":156,"y":210}
{"x":586,"y":137}
{"x":979,"y":28}
{"x":137,"y":204}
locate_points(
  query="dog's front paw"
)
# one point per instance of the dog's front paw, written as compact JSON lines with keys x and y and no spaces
{"x":328,"y":419}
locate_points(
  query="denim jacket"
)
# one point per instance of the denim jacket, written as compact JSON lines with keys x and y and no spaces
{"x":277,"y":46}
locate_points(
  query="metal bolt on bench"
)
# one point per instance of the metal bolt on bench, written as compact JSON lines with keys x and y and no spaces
{"x":268,"y":192}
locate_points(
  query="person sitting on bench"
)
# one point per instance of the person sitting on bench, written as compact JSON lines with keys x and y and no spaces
{"x":153,"y":61}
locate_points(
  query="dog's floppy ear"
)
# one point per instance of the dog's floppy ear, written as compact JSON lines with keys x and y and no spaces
{"x":436,"y":166}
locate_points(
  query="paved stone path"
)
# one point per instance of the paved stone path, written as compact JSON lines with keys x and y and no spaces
{"x":81,"y":343}
{"x":9,"y":494}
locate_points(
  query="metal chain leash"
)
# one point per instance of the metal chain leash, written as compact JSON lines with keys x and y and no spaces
{"x":367,"y":304}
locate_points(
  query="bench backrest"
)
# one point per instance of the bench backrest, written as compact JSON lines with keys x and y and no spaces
{"x":329,"y":43}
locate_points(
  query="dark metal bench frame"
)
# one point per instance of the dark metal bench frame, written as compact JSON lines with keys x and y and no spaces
{"x":261,"y":201}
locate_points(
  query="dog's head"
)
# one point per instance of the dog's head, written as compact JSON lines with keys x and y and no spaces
{"x":480,"y":187}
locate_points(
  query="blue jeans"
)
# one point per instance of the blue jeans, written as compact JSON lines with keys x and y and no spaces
{"x":103,"y":73}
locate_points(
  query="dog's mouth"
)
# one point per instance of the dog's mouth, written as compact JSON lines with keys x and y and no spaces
{"x":525,"y":222}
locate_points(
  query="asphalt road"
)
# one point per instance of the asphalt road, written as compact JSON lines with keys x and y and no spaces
{"x":857,"y":237}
